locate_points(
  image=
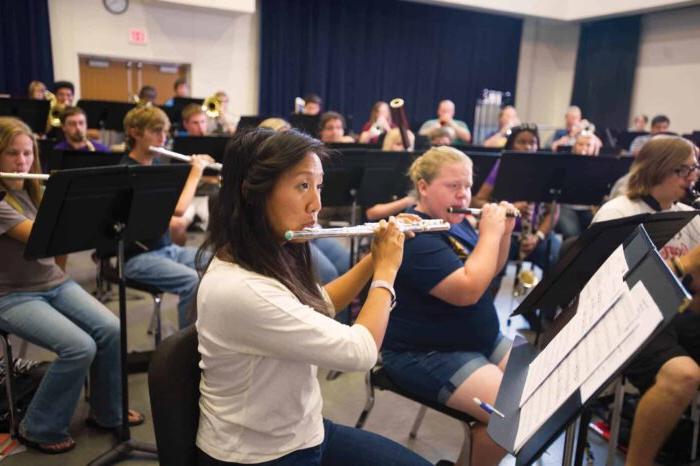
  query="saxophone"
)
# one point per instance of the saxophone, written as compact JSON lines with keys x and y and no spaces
{"x":525,"y":279}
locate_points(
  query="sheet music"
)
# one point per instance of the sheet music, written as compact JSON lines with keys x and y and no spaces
{"x":612,"y":340}
{"x":595,"y":300}
{"x":648,"y":317}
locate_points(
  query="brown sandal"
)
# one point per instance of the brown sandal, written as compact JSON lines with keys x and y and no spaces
{"x":49,"y":448}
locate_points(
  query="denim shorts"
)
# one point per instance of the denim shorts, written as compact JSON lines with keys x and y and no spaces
{"x":436,"y":375}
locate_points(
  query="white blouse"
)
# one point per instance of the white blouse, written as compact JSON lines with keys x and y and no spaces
{"x":260,"y":348}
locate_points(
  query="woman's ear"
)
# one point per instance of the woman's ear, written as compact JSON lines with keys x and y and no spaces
{"x":422,"y":187}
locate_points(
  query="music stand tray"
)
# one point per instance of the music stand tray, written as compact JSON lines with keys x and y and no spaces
{"x":70,"y":159}
{"x":105,"y":114}
{"x":103,"y":208}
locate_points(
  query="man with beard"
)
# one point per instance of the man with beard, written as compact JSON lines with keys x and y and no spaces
{"x":74,"y":127}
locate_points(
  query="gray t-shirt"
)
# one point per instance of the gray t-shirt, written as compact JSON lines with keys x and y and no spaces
{"x":17,"y":273}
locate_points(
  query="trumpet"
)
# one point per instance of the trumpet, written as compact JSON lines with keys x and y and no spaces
{"x":182,"y":157}
{"x":24,"y":176}
{"x":212,"y":106}
{"x":367,"y":229}
{"x":477,"y":212}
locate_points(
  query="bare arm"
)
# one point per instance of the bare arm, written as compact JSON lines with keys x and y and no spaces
{"x":483,"y":196}
{"x":462,"y":133}
{"x":385,"y":210}
{"x":343,"y":289}
{"x":198,"y":164}
{"x":21,"y":231}
{"x":466,"y":285}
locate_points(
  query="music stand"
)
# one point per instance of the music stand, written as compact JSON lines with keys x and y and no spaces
{"x":547,"y":177}
{"x":211,"y":145}
{"x":250,"y":121}
{"x":104,"y":114}
{"x":308,"y":124}
{"x":483,"y":163}
{"x":68,"y":159}
{"x":34,"y":113}
{"x":570,"y":273}
{"x":104,"y":208}
{"x":644,"y":265}
{"x":625,"y":138}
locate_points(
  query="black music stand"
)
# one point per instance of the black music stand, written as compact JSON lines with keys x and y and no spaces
{"x":645,"y":266}
{"x":68,"y":159}
{"x":104,"y":114}
{"x":34,"y":113}
{"x":483,"y":163}
{"x":105,"y":208}
{"x":250,"y":121}
{"x":308,"y":124}
{"x":625,"y":138}
{"x":571,"y":272}
{"x":211,"y":145}
{"x":547,"y":177}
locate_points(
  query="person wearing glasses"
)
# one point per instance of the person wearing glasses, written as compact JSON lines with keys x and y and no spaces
{"x":666,"y":370}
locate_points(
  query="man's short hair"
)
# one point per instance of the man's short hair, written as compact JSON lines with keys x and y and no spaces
{"x":660,"y":119}
{"x":190,"y":110}
{"x":142,"y":118}
{"x":69,"y":112}
{"x":62,"y":85}
{"x":179,"y":82}
{"x":313,"y":98}
{"x":148,"y":92}
{"x":328,"y":116}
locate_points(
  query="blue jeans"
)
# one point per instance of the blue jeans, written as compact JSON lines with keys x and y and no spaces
{"x":572,"y":222}
{"x":85,"y":336}
{"x":172,"y":269}
{"x":540,"y":256}
{"x":330,"y":258}
{"x":342,"y":446}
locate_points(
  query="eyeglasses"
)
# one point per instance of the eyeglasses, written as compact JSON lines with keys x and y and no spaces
{"x":685,"y":170}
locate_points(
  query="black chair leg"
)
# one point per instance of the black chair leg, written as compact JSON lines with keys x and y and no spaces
{"x":368,"y":405}
{"x":9,"y":377}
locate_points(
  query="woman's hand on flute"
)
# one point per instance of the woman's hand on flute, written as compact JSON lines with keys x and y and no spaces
{"x":200,"y":161}
{"x":387,"y":250}
{"x":510,"y":221}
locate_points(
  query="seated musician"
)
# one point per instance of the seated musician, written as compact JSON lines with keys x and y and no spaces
{"x":379,"y":123}
{"x":540,"y":246}
{"x":443,"y":342}
{"x":442,"y":136}
{"x":666,"y":370}
{"x":36,"y":90}
{"x":161,"y":263}
{"x":74,"y":127}
{"x":40,"y":303}
{"x":332,"y":128}
{"x":574,"y":218}
{"x":446,"y":117}
{"x":265,"y":325}
{"x":507,"y":118}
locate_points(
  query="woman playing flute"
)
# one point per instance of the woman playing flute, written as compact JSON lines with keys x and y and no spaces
{"x":265,"y":325}
{"x":40,"y":303}
{"x":443,"y":342}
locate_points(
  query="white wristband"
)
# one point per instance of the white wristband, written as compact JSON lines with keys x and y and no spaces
{"x":387,"y":286}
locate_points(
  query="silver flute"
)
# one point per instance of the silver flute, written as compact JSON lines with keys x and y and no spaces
{"x":367,"y":229}
{"x":24,"y":176}
{"x":477,"y":212}
{"x":182,"y":157}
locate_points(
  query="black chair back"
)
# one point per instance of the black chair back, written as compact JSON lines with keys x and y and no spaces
{"x":173,"y":381}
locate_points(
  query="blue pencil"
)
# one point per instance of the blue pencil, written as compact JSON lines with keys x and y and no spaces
{"x":488,"y":408}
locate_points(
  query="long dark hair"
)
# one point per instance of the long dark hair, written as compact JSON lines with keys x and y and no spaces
{"x":240,"y":231}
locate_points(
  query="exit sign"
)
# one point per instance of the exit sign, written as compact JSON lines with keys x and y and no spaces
{"x":138,"y":36}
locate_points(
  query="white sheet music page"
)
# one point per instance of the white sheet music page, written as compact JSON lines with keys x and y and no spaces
{"x":646,"y":316}
{"x":597,"y":297}
{"x":614,"y":338}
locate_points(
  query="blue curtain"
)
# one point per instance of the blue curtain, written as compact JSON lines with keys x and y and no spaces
{"x":355,"y":52}
{"x":605,"y":67}
{"x":25,"y":45}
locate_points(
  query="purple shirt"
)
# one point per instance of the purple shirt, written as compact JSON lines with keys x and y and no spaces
{"x":63,"y":145}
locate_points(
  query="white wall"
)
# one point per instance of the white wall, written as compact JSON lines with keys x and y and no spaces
{"x":546,"y":71}
{"x":222,"y":47}
{"x":667,"y":79}
{"x":563,"y":10}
